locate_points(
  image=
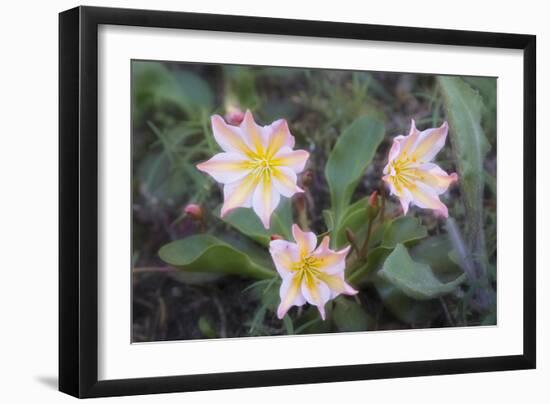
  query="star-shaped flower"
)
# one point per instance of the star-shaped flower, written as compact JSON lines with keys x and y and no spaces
{"x":411,"y":175}
{"x":258,"y":165}
{"x":309,"y":274}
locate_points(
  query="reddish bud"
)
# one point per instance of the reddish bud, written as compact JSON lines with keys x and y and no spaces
{"x":300,"y":202}
{"x":194,"y":211}
{"x":276,"y":237}
{"x":307,"y":178}
{"x":373,"y":199}
{"x":234,"y":116}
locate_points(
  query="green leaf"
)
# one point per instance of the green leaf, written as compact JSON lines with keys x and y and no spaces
{"x":247,"y":222}
{"x":154,"y":85}
{"x":355,"y":218}
{"x":374,"y":262}
{"x":437,"y":252}
{"x":310,"y":321}
{"x":464,"y":108}
{"x":487,"y":87}
{"x":194,"y":92}
{"x":329,"y":219}
{"x":413,"y":312}
{"x":403,"y":230}
{"x":289,"y":326}
{"x":349,"y":159}
{"x":350,"y":316}
{"x":205,"y":253}
{"x":414,"y":279}
{"x":354,"y":222}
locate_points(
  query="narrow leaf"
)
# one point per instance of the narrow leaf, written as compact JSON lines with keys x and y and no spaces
{"x":349,"y":159}
{"x":464,"y":108}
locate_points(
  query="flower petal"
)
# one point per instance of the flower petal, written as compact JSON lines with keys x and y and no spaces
{"x":405,"y":198}
{"x":425,"y":197}
{"x":284,"y":181}
{"x":436,"y":178}
{"x":290,"y":294}
{"x":238,"y":194}
{"x":294,"y":159}
{"x":307,"y":241}
{"x":278,"y":135}
{"x":317,"y":293}
{"x":395,"y":150}
{"x":429,"y":143}
{"x":332,"y":262}
{"x":337,"y":284}
{"x":285,"y":254}
{"x":411,"y":139}
{"x":265,"y":200}
{"x":253,"y":134}
{"x":226,"y":167}
{"x":230,"y":138}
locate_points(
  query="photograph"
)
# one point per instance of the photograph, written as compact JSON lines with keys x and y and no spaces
{"x":278,"y":201}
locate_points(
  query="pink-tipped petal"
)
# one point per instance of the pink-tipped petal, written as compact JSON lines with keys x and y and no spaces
{"x":316,"y":293}
{"x":429,"y":143}
{"x":349,"y":290}
{"x":290,"y":294}
{"x":264,"y":201}
{"x":395,"y":149}
{"x":434,"y":177}
{"x":278,"y":135}
{"x":285,"y":254}
{"x":425,"y":197}
{"x":294,"y":159}
{"x":253,"y":133}
{"x":331,"y":262}
{"x":405,"y":200}
{"x":238,"y":194}
{"x":226,"y":167}
{"x":307,"y":241}
{"x":284,"y":181}
{"x":335,"y":283}
{"x":230,"y":138}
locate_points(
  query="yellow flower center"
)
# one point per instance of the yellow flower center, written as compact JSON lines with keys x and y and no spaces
{"x":308,"y":269}
{"x":405,"y":172}
{"x":262,"y":167}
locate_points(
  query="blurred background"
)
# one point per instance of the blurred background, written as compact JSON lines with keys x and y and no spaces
{"x":171,"y":108}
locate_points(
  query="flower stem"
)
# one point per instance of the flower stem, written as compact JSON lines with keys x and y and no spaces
{"x":363,"y":252}
{"x":383,"y":203}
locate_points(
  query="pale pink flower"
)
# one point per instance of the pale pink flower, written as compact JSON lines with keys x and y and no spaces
{"x":258,"y":165}
{"x":410,"y":174}
{"x":309,"y":274}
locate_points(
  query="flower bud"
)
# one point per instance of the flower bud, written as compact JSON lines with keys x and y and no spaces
{"x":194,"y":211}
{"x":276,"y":237}
{"x":350,"y":236}
{"x":234,"y":116}
{"x":373,"y":207}
{"x":299,"y":202}
{"x":373,"y":200}
{"x":307,"y":178}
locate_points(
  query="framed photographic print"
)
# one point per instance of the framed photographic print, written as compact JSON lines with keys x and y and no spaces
{"x":251,"y":201}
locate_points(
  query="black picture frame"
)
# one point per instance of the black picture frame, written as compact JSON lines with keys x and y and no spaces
{"x":78,"y":201}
